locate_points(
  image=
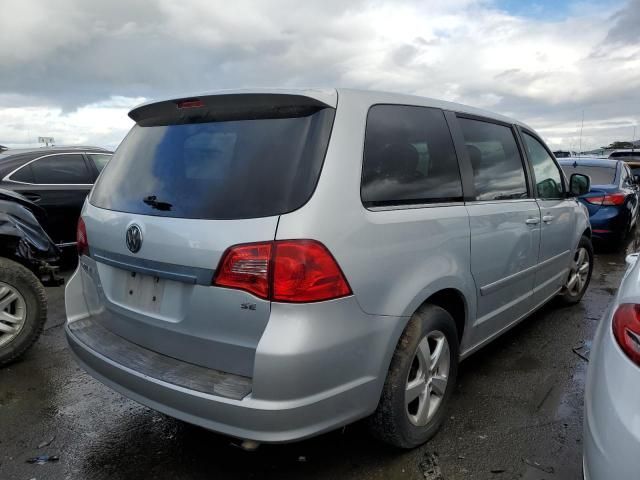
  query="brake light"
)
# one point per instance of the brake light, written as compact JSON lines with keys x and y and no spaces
{"x":607,"y":200}
{"x":296,"y":271}
{"x":190,"y":103}
{"x":626,"y":330}
{"x":82,"y":242}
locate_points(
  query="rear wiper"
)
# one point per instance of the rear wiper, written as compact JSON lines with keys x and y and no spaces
{"x":153,"y":203}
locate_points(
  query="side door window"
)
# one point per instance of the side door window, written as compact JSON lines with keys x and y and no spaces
{"x":409,"y":157}
{"x":63,"y":169}
{"x":498,"y":172}
{"x":628,"y":177}
{"x":549,"y":183}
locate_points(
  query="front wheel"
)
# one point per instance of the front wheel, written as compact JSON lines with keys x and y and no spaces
{"x":23,"y":310}
{"x":420,"y":381}
{"x":579,"y":273}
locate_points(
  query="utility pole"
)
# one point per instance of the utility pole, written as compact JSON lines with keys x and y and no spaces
{"x":581,"y":127}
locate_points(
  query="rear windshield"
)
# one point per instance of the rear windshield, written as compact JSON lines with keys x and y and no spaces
{"x":217,"y":170}
{"x":598,"y":175}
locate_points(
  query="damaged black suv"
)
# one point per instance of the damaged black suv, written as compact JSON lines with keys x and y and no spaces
{"x":27,"y":259}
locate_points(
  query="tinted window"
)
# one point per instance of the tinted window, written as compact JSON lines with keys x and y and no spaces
{"x":61,"y":169}
{"x":99,"y":160}
{"x":497,"y":167}
{"x":548,"y":179}
{"x":598,"y":175}
{"x":217,"y":170}
{"x":25,"y":174}
{"x":635,"y":153}
{"x":625,"y":176}
{"x":408,"y":157}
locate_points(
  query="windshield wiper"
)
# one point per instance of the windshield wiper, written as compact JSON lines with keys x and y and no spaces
{"x":153,"y":203}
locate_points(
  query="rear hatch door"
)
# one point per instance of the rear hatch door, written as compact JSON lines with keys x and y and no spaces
{"x":193,"y":178}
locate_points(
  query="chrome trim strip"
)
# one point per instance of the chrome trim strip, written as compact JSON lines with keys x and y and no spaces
{"x":7,"y":177}
{"x":492,"y":287}
{"x":414,"y":206}
{"x":512,"y":200}
{"x":170,"y":271}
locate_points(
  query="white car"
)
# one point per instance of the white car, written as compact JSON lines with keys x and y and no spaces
{"x":612,"y":416}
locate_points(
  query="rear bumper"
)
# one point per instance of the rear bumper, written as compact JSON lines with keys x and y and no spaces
{"x":609,"y":223}
{"x":248,"y":418}
{"x":317,"y":367}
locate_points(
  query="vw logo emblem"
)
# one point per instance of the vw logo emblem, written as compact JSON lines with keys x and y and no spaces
{"x":134,"y":238}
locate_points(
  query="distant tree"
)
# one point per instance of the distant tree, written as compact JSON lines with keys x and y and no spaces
{"x":616,"y":145}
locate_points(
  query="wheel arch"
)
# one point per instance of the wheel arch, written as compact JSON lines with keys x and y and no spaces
{"x":453,"y":301}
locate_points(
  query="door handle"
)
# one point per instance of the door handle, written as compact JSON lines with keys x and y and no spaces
{"x":532,"y":221}
{"x":548,"y":218}
{"x":34,"y":197}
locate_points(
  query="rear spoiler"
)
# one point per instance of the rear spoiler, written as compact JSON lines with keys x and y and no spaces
{"x":225,"y":107}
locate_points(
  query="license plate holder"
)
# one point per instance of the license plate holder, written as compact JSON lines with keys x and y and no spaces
{"x":144,"y":292}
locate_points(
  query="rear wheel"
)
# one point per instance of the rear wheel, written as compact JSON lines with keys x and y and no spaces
{"x":420,"y":380}
{"x":23,"y":310}
{"x":579,"y":274}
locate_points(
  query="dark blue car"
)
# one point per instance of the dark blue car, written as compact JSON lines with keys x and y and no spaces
{"x":613,"y":199}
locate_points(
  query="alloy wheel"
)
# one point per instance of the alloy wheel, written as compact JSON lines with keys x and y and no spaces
{"x":13,"y":313}
{"x":579,"y":272}
{"x":427,"y":379}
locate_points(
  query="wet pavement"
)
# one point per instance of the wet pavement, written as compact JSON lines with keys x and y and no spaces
{"x":516,"y":413}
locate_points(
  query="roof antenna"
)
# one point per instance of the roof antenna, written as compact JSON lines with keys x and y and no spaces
{"x":581,"y":127}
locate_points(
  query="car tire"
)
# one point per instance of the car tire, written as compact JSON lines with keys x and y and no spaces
{"x":29,"y":304}
{"x":570,"y":295}
{"x":406,"y":424}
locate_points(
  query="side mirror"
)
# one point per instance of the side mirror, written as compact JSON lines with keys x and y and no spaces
{"x":579,"y":184}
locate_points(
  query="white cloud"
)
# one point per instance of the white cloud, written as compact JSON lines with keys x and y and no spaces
{"x":65,"y":58}
{"x":101,"y":124}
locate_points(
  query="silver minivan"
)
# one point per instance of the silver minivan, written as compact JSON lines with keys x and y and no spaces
{"x":276,"y":264}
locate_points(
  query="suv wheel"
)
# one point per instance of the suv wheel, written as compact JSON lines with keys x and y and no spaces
{"x":23,"y":310}
{"x":579,"y":273}
{"x":421,"y":379}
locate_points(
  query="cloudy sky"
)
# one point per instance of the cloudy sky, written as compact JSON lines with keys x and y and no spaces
{"x":72,"y":69}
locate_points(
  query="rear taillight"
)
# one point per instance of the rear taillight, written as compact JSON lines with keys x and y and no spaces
{"x":626,"y":330}
{"x":246,"y":267}
{"x":82,"y":243}
{"x":607,"y":200}
{"x":283,"y":271}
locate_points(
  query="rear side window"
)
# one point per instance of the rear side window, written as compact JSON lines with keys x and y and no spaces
{"x":409,"y":157}
{"x":25,"y":174}
{"x":100,"y":160}
{"x":548,"y":178}
{"x":217,"y":169}
{"x":64,"y":169}
{"x":635,"y":153}
{"x":598,"y":175}
{"x":498,"y":172}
